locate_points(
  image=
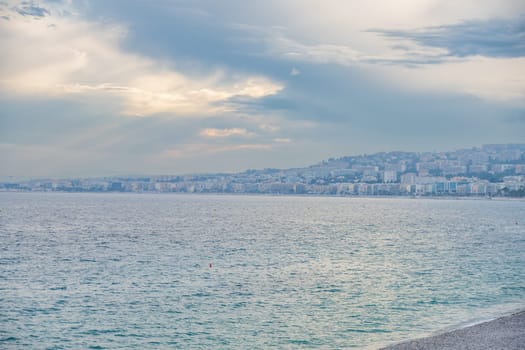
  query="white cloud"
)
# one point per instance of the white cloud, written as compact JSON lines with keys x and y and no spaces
{"x":337,"y":22}
{"x":269,"y":127}
{"x":283,"y":46}
{"x":221,"y":133}
{"x":495,"y":79}
{"x":339,"y":32}
{"x":57,"y":56}
{"x":201,"y":149}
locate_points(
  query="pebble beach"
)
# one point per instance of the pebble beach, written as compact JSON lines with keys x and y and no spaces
{"x":503,"y":333}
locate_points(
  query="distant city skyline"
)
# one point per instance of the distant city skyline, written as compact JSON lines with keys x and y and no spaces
{"x":473,"y":149}
{"x":97,"y":88}
{"x":495,"y":170}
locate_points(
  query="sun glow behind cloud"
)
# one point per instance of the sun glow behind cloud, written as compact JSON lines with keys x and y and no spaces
{"x":60,"y":56}
{"x":234,"y":85}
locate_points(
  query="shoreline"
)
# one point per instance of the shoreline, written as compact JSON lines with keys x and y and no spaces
{"x":306,"y":195}
{"x":505,"y":332}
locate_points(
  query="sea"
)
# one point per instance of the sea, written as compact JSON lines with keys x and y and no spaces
{"x":182,"y":271}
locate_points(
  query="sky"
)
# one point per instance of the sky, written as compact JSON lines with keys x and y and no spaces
{"x":136,"y":87}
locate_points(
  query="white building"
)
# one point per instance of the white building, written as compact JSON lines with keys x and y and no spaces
{"x":389,"y":176}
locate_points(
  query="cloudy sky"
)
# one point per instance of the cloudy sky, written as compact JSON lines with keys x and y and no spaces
{"x":97,"y":87}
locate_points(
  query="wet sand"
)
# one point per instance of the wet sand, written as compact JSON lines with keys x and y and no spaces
{"x":503,"y":333}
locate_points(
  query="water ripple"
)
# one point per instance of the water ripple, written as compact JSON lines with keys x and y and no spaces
{"x":229,"y":272}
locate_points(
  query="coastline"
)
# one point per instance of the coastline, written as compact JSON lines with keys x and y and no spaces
{"x":306,"y":195}
{"x":506,"y":332}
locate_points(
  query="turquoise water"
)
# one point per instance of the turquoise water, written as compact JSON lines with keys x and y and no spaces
{"x":132,"y":271}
